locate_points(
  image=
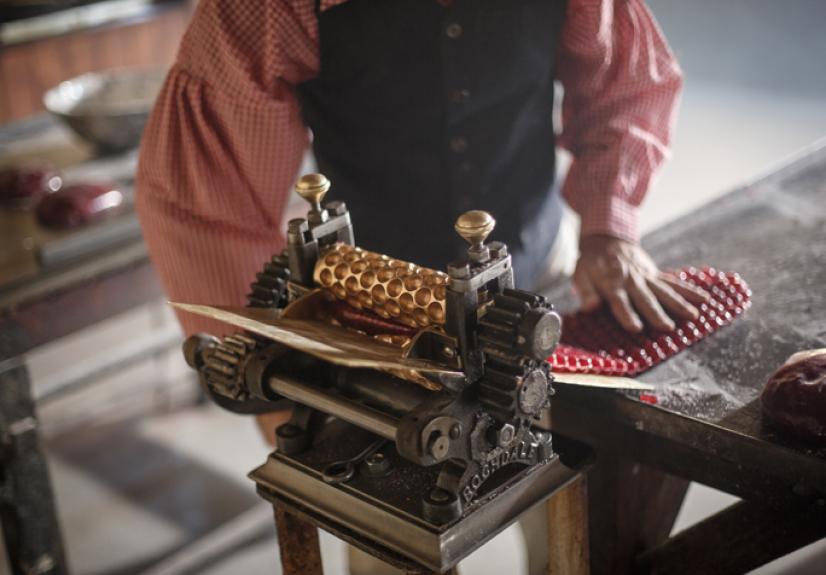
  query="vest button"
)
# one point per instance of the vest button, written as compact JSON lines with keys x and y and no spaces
{"x":460,"y":96}
{"x":453,"y":30}
{"x":458,"y":144}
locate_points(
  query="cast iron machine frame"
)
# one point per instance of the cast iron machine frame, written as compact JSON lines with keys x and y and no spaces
{"x":469,"y":455}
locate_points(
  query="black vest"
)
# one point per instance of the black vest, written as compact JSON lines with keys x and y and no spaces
{"x":421,"y":112}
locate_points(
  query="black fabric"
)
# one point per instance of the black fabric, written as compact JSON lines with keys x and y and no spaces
{"x":422,"y":111}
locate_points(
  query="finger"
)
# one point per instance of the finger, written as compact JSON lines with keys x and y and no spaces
{"x":692,"y":293}
{"x":647,"y":304}
{"x":622,"y":310}
{"x":672,"y":301}
{"x":587,"y":293}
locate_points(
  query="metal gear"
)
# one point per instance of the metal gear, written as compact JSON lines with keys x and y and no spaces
{"x":224,"y":362}
{"x":518,"y":331}
{"x":269,"y":290}
{"x":224,"y":365}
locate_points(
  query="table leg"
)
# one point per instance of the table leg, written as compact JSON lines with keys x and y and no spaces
{"x":298,"y":544}
{"x":567,"y":512}
{"x":27,"y":509}
{"x":631,"y":508}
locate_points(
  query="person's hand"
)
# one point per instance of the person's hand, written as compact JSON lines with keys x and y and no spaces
{"x":622,"y":274}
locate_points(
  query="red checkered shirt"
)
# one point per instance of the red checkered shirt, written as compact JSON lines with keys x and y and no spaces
{"x":224,"y":144}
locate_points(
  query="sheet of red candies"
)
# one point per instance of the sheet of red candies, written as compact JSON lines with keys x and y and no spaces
{"x":593,"y":342}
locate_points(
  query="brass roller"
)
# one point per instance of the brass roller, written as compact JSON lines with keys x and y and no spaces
{"x":390,"y":288}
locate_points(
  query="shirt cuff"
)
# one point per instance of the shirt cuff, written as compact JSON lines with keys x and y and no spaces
{"x":611,"y":216}
{"x":606,"y":204}
{"x":606,"y":191}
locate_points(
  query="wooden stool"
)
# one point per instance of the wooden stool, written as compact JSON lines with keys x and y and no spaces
{"x":567,"y":510}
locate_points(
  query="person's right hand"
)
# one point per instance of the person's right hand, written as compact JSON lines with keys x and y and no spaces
{"x":623,"y":275}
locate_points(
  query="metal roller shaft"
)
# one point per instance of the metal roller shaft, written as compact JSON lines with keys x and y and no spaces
{"x":365,"y":417}
{"x":377,"y":389}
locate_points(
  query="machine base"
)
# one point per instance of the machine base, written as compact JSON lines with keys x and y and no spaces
{"x":383,"y":515}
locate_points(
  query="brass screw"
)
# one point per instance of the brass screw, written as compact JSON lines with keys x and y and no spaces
{"x":313,"y":188}
{"x":475,"y":226}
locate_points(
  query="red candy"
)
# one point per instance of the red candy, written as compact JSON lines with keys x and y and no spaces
{"x":28,"y":182}
{"x":595,"y":343}
{"x":648,"y":398}
{"x":368,"y":322}
{"x":79,"y":204}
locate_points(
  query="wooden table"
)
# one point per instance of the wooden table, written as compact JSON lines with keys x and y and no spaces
{"x":707,"y":426}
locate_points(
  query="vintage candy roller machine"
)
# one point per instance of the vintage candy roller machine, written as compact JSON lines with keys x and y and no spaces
{"x":420,"y":399}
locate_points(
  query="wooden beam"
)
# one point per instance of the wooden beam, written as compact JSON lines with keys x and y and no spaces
{"x":631,"y":508}
{"x":738,"y":539}
{"x":567,"y":512}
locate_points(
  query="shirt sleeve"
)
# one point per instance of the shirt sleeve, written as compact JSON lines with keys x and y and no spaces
{"x":621,"y":91}
{"x":222,"y":149}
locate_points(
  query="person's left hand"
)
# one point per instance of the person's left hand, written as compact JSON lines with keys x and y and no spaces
{"x":622,"y":274}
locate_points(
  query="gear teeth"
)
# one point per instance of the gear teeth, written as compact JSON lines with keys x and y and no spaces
{"x":269,"y":290}
{"x":505,"y":365}
{"x":500,"y":385}
{"x":224,"y":365}
{"x":225,"y":362}
{"x":502,"y":374}
{"x":500,"y":325}
{"x":497,"y":316}
{"x":239,"y":342}
{"x":529,"y":298}
{"x":506,"y":360}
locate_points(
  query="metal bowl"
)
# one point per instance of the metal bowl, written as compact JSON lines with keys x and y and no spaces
{"x":108,"y":109}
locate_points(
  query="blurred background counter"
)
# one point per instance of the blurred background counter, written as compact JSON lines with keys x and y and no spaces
{"x":43,"y":42}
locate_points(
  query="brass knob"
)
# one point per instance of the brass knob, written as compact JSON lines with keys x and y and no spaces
{"x":313,"y":188}
{"x":475,"y":226}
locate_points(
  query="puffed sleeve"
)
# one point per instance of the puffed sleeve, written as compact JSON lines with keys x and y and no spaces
{"x":222,"y":148}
